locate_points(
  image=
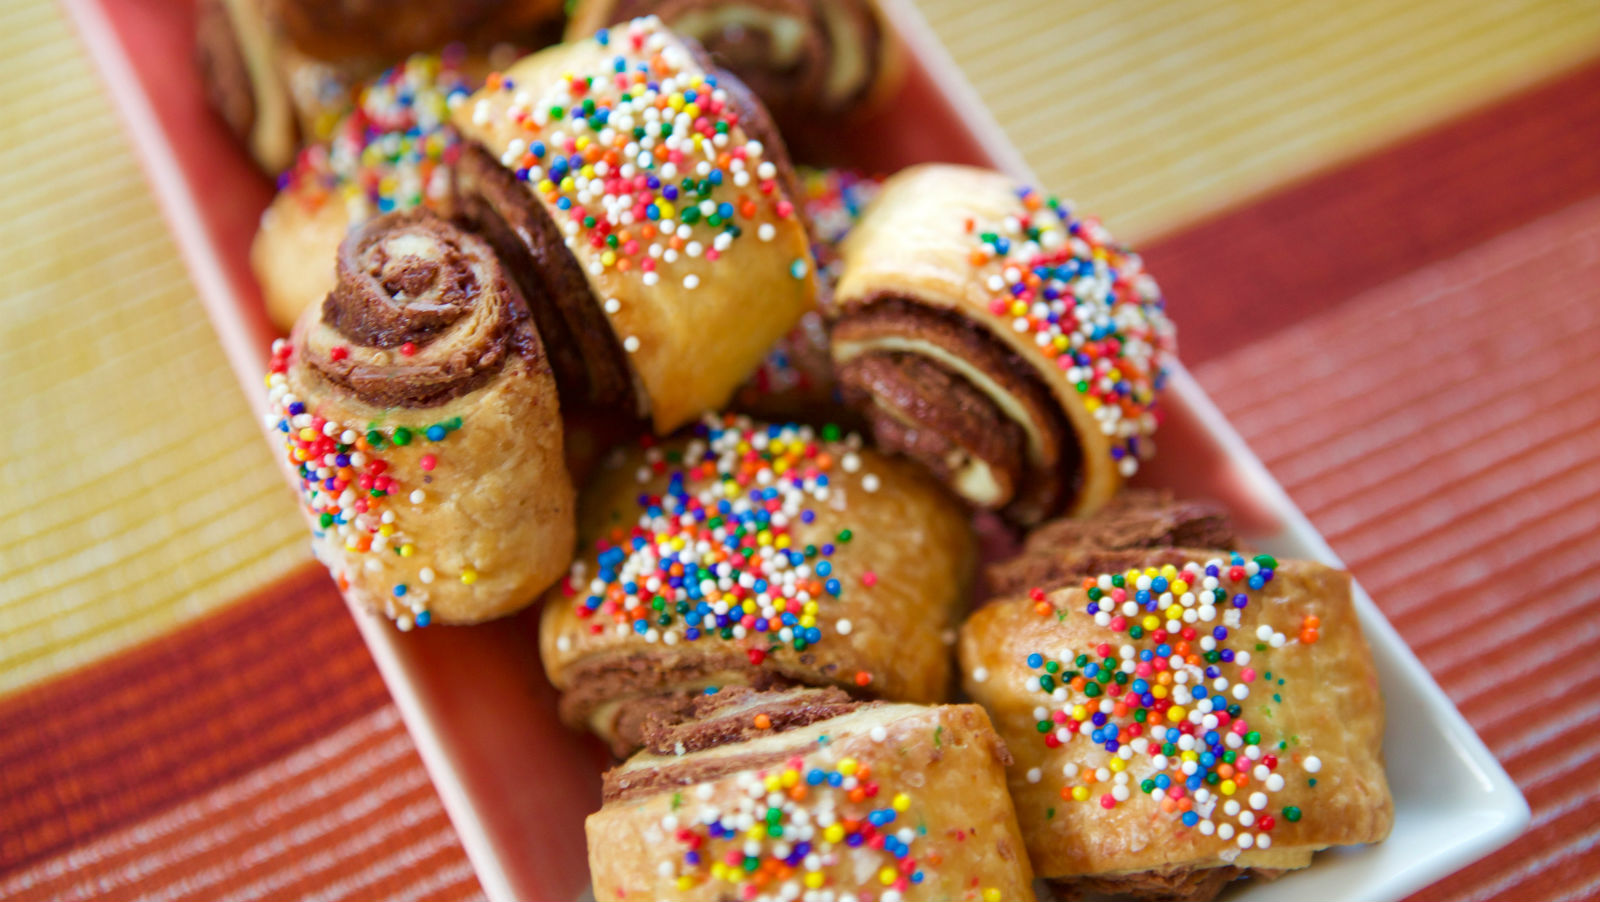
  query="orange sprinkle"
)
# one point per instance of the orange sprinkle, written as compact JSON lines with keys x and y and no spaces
{"x":763,"y":722}
{"x":1042,"y":608}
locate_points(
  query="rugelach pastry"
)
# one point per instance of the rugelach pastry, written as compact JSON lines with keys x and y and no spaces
{"x":805,"y":59}
{"x":754,"y":555}
{"x":806,"y":794}
{"x":419,"y":421}
{"x":395,"y":151}
{"x":281,"y":73}
{"x":1012,"y":347}
{"x":1196,"y":717}
{"x":648,"y":211}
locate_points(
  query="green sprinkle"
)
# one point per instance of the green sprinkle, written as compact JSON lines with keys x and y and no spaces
{"x":1291,"y":814}
{"x":402,"y":436}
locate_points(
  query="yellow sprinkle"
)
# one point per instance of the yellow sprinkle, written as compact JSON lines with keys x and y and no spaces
{"x":834,"y":833}
{"x":1080,"y":793}
{"x":665,"y":209}
{"x":609,"y":258}
{"x":719,"y":871}
{"x":1118,"y":765}
{"x":469,"y":576}
{"x":790,"y":778}
{"x":1228,"y":788}
{"x":810,"y":608}
{"x":1175,"y":612}
{"x":763,"y":538}
{"x":1179,"y":587}
{"x":569,"y":183}
{"x":814,"y":880}
{"x":685,"y":882}
{"x":1191,"y":755}
{"x":901,"y":801}
{"x":847,"y":766}
{"x":808,"y":621}
{"x":386,"y":529}
{"x":1150,"y":621}
{"x":1018,"y":308}
{"x":307,"y":434}
{"x":586,"y":171}
{"x":583,"y":142}
{"x":693,"y":109}
{"x":1158,"y":691}
{"x":991,"y":895}
{"x":886,"y":875}
{"x":783,"y":542}
{"x":546,"y":186}
{"x":407,"y":549}
{"x":1176,"y":713}
{"x":1079,"y":712}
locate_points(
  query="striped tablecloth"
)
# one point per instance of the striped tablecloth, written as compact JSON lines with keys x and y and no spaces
{"x":1379,"y":226}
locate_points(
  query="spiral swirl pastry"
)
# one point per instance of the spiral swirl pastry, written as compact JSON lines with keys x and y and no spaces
{"x":1009,"y":345}
{"x":394,"y":151}
{"x":803,"y":58}
{"x":648,"y":210}
{"x":754,"y":555}
{"x":420,"y":423}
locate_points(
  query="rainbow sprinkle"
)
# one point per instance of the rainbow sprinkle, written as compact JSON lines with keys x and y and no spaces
{"x":833,"y":203}
{"x":1090,"y":306}
{"x":395,"y":149}
{"x":1172,"y":702}
{"x":714,"y":556}
{"x":638,"y":158}
{"x":349,"y":488}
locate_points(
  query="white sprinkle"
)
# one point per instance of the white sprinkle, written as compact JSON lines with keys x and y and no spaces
{"x":878,"y":734}
{"x":766,"y":232}
{"x":870,"y":482}
{"x":426,"y":575}
{"x":1035,"y":775}
{"x":613,"y":305}
{"x":691,"y":281}
{"x":564,"y":644}
{"x":1313,"y":764}
{"x":980,"y":675}
{"x":630,"y":344}
{"x":844,"y":627}
{"x":417,"y":497}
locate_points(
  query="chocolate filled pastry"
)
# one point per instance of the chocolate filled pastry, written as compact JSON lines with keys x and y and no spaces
{"x":804,"y":58}
{"x":281,"y":73}
{"x":647,"y":208}
{"x":395,"y":151}
{"x":1007,"y":344}
{"x":795,"y":380}
{"x":1133,"y":522}
{"x":1193,"y":718}
{"x":806,"y":794}
{"x":419,"y":420}
{"x":754,"y":555}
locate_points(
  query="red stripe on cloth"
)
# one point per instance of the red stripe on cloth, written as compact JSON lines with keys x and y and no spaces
{"x":1446,"y":425}
{"x":145,"y":729}
{"x":1245,"y":274}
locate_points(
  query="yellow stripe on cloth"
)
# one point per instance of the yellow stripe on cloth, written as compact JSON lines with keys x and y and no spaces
{"x":137,"y":490}
{"x":1153,"y":113}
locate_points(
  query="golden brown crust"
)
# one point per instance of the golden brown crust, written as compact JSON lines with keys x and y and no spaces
{"x":890,"y":565}
{"x":421,"y":424}
{"x":1317,"y":700}
{"x":958,"y":241}
{"x":938,"y":787}
{"x":681,"y":305}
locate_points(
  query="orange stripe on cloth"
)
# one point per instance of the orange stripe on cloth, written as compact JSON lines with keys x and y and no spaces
{"x":1442,"y":430}
{"x":1247,"y":273}
{"x":351,"y":815}
{"x":147,"y":728}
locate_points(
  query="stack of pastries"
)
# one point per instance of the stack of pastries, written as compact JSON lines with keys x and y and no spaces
{"x":519,"y":306}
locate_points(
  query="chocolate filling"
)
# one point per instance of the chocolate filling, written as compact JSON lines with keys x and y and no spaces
{"x":1179,"y":885}
{"x":590,"y":365}
{"x":731,"y":714}
{"x":920,"y":409}
{"x":641,"y":685}
{"x":410,"y":278}
{"x":1133,"y":530}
